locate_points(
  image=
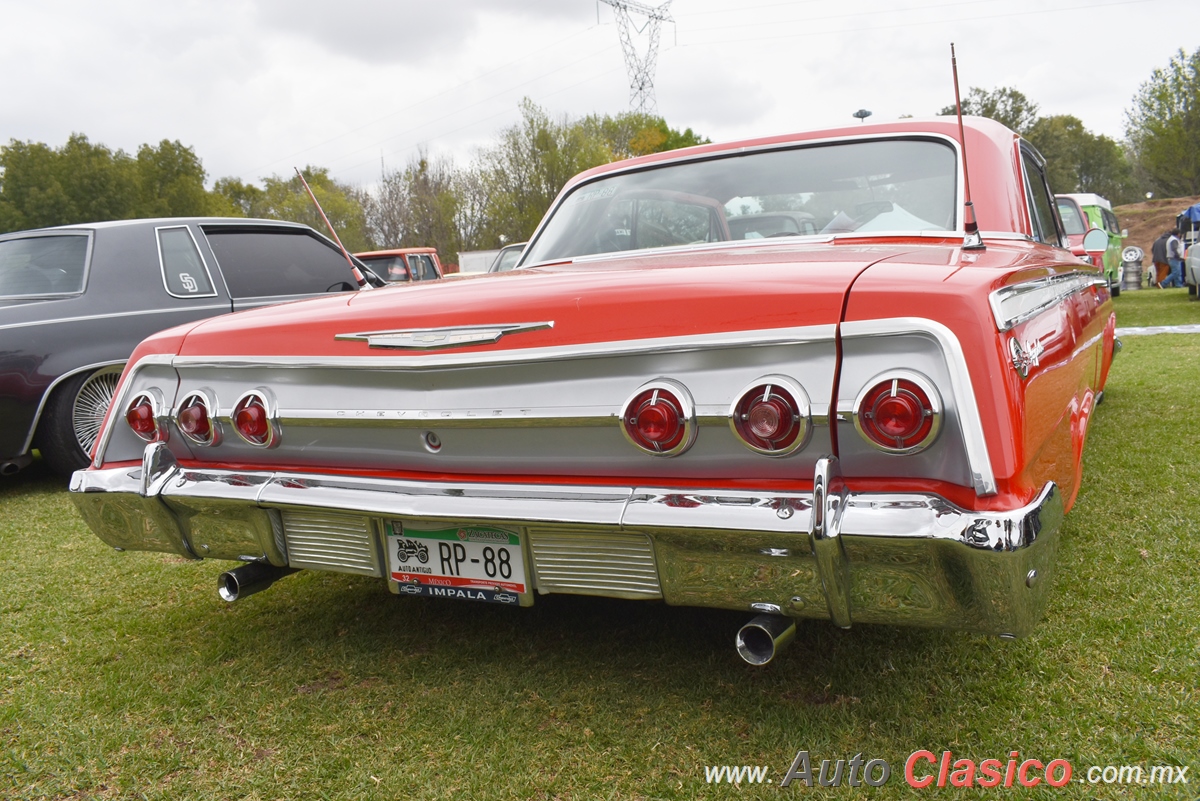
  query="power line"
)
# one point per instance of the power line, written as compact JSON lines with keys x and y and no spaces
{"x":917,"y":24}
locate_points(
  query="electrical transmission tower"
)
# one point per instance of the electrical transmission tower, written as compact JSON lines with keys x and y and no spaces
{"x":640,"y":68}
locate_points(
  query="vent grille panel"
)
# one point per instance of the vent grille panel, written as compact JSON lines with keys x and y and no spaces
{"x":612,"y":565}
{"x":325,"y":541}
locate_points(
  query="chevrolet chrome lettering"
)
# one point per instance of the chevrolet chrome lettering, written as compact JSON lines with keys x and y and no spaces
{"x":781,"y":377}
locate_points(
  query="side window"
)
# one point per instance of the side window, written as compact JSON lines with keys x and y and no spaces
{"x":43,"y":265}
{"x":261,"y":262}
{"x":1037,"y":195}
{"x":1110,"y":222}
{"x":184,"y":272}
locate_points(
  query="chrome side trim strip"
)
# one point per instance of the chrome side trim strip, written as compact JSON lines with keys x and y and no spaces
{"x":1012,"y":305}
{"x":434,"y":361}
{"x":88,"y":317}
{"x":545,"y":417}
{"x":961,"y":387}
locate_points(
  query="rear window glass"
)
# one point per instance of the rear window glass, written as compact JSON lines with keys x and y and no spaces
{"x":259,"y":262}
{"x":183,"y":269}
{"x":421,"y":267}
{"x":875,"y":186}
{"x":43,"y":265}
{"x":389,"y":268}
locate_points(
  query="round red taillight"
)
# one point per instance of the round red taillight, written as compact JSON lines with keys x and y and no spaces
{"x":660,"y":419}
{"x":194,"y":419}
{"x":142,"y":416}
{"x":771,"y":416}
{"x":899,"y":413}
{"x":252,"y":420}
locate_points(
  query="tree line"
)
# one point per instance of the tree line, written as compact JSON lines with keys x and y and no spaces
{"x":502,"y":193}
{"x":498,"y":198}
{"x":1161,"y":151}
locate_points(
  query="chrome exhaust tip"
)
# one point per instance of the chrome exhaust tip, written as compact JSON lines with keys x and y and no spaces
{"x":248,"y":579}
{"x":760,"y":639}
{"x":13,"y":466}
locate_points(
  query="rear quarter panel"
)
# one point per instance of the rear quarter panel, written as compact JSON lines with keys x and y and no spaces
{"x":1034,"y":426}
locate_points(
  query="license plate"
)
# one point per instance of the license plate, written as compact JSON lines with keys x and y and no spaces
{"x":477,"y":563}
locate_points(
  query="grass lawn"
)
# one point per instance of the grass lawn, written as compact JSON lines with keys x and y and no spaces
{"x":125,"y":677}
{"x":1145,"y":307}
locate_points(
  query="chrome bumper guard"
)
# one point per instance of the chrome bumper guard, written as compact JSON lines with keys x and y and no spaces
{"x":907,"y":559}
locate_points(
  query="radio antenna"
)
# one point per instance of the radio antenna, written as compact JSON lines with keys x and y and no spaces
{"x":972,"y":239}
{"x":358,"y":276}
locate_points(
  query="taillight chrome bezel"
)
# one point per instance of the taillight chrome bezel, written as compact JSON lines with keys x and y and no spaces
{"x":260,"y":396}
{"x":662,"y":390}
{"x":779,"y":389}
{"x":208,"y":400}
{"x":154,"y":398}
{"x":934,"y":411}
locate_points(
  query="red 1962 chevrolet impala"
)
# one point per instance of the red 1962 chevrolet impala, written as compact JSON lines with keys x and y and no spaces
{"x":857,"y":407}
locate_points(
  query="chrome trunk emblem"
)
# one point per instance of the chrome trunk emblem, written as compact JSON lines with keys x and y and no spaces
{"x":437,"y":338}
{"x":1024,"y":359}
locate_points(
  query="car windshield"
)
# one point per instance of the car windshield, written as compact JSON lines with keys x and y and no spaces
{"x":875,"y":186}
{"x":1073,"y":221}
{"x":42,"y":265}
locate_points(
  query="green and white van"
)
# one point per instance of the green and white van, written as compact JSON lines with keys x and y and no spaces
{"x":1083,"y":211}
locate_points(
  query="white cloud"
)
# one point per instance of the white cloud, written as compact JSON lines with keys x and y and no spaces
{"x":256,"y":88}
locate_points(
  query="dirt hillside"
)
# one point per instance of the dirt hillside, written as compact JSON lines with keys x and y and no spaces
{"x":1148,"y":219}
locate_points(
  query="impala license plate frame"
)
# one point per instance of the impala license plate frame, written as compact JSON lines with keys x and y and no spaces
{"x":463,"y":561}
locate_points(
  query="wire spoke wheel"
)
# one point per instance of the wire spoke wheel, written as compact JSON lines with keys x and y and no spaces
{"x":91,"y":404}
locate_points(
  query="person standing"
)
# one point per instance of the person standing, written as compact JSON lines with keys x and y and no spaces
{"x":1174,"y":259}
{"x":1158,"y":254}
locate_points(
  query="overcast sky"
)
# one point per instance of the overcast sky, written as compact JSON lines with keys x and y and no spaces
{"x":259,"y":86}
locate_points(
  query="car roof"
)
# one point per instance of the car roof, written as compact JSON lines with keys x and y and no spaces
{"x":158,"y":221}
{"x":370,"y":254}
{"x":989,"y":129}
{"x":1088,"y":199}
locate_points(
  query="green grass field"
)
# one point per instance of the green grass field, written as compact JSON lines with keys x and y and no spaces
{"x":125,"y":677}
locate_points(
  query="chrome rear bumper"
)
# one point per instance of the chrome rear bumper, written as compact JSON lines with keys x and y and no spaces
{"x":908,"y":559}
